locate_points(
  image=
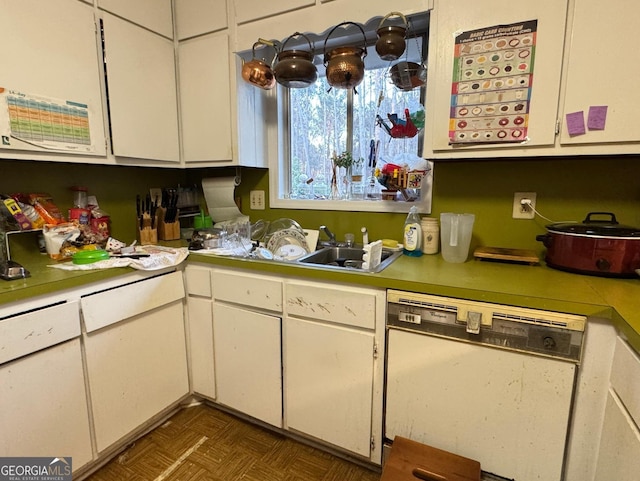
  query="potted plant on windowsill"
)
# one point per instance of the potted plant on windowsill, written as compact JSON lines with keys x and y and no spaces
{"x":353,"y":169}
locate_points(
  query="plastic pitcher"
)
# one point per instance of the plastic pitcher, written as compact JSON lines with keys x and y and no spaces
{"x":455,"y":236}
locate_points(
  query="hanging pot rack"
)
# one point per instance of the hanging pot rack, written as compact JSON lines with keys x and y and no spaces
{"x":346,"y":30}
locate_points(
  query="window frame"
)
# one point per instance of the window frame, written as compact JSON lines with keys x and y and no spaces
{"x":279,"y":164}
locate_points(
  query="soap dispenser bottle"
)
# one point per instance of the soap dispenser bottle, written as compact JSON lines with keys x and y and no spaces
{"x":412,"y":235}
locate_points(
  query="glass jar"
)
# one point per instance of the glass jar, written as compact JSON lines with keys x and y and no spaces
{"x":430,"y":235}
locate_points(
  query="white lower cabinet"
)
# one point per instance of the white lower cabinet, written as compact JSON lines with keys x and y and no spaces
{"x":43,"y":405}
{"x":200,"y":333}
{"x":304,"y":356}
{"x":619,"y":456}
{"x":333,"y":365}
{"x":136,"y":354}
{"x":200,"y":330}
{"x":247,"y":343}
{"x":248,"y":362}
{"x":329,"y":381}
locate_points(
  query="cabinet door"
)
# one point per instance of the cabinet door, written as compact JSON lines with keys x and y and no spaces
{"x":619,"y":456}
{"x":142,"y":93}
{"x":599,"y":70}
{"x":155,"y":15}
{"x":195,"y":17}
{"x":247,"y":10}
{"x":136,"y":369}
{"x":205,"y":99}
{"x":51,"y":51}
{"x":329,"y":383}
{"x":43,"y":406}
{"x":201,"y":346}
{"x":451,"y":17}
{"x":248,"y":362}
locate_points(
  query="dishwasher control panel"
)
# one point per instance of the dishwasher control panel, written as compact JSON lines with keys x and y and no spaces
{"x":533,"y":331}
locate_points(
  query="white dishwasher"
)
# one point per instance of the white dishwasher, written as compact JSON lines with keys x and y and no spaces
{"x":489,"y":382}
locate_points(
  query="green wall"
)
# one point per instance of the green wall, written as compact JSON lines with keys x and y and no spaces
{"x":567,"y":189}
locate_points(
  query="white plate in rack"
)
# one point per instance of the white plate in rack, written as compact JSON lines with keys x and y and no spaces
{"x":291,"y":252}
{"x":286,"y":237}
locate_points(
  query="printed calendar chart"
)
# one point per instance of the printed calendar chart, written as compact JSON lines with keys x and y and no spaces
{"x":492,"y":82}
{"x":44,"y":122}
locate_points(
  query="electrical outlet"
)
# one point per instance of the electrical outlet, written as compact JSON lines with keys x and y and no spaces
{"x":256,"y":200}
{"x":523,"y":211}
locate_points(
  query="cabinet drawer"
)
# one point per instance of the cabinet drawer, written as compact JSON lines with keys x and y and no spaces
{"x":108,"y":307}
{"x":247,"y":290}
{"x":625,"y":378}
{"x":198,"y":281}
{"x":347,"y":305}
{"x":35,"y":330}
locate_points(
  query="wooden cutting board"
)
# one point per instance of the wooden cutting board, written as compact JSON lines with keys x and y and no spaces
{"x":413,"y":461}
{"x":507,"y":255}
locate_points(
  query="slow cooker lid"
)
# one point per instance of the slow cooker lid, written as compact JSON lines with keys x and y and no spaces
{"x":596,"y":226}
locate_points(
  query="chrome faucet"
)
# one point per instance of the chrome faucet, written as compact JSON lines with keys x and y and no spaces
{"x":329,"y":234}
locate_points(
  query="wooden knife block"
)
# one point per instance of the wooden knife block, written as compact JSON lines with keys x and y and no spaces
{"x":167,"y":230}
{"x":148,"y":235}
{"x":413,"y":461}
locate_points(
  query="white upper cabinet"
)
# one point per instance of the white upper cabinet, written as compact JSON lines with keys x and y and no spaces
{"x":155,"y":15}
{"x":248,"y":10}
{"x":142,"y":93}
{"x":51,"y":53}
{"x":278,"y":19}
{"x":195,"y":17}
{"x":205,"y":101}
{"x":601,"y":72}
{"x":451,"y":18}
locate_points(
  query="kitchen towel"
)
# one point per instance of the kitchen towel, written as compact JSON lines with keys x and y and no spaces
{"x":219,"y":193}
{"x":160,"y":257}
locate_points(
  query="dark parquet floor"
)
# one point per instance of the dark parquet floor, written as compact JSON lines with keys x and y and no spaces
{"x":201,"y":443}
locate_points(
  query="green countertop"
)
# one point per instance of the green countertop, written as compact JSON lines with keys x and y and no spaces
{"x":534,"y":286}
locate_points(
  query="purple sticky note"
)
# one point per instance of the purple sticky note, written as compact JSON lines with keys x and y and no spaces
{"x":597,"y":117}
{"x":575,"y":123}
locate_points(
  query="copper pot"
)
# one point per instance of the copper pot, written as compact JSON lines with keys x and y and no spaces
{"x":257,"y":72}
{"x":391,"y":38}
{"x":345,"y":65}
{"x":295,"y":68}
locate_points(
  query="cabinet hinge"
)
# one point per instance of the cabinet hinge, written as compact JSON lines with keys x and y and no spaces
{"x":375,"y":350}
{"x":373,"y":443}
{"x":557,"y":126}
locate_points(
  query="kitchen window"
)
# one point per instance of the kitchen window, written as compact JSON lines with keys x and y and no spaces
{"x":318,"y":122}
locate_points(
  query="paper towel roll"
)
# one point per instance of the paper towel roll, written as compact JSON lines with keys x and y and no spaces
{"x":219,"y":193}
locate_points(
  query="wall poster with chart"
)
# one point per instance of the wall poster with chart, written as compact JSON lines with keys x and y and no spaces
{"x":29,"y":121}
{"x":492,"y":82}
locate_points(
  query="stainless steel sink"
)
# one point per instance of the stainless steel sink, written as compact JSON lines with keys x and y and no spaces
{"x":346,"y":258}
